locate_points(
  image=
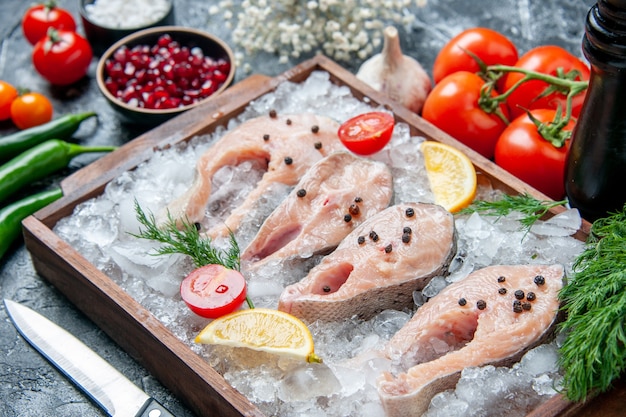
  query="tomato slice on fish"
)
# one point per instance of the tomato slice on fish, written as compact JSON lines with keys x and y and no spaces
{"x":212,"y":291}
{"x":367,"y":133}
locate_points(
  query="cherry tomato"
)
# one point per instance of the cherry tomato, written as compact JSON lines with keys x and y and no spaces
{"x":545,"y":59}
{"x":62,"y":57}
{"x":31,"y":109}
{"x":213,"y":290}
{"x":453,"y":107}
{"x":524,"y":153}
{"x":367,"y":133}
{"x":39,"y":18}
{"x":8,"y":93}
{"x":489,"y":46}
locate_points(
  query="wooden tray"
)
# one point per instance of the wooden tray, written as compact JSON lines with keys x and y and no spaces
{"x":134,"y":328}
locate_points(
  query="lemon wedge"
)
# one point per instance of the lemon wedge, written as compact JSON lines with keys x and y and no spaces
{"x":451,"y":175}
{"x":262,"y":329}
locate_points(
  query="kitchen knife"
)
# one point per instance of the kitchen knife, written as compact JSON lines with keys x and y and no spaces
{"x":105,"y":385}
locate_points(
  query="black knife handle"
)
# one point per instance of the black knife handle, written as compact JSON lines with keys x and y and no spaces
{"x":152,"y":408}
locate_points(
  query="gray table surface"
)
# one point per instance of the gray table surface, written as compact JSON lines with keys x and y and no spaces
{"x":29,"y":385}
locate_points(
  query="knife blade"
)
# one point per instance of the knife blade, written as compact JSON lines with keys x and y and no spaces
{"x":105,"y":385}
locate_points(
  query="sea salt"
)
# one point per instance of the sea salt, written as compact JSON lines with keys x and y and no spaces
{"x":127,"y":14}
{"x":101,"y":229}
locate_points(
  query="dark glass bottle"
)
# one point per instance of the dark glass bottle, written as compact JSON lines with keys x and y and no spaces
{"x":595,"y":173}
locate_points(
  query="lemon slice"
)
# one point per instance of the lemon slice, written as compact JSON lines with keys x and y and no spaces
{"x":264,"y":330}
{"x":451,"y":175}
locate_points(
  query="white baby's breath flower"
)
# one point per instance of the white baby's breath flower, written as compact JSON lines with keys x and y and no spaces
{"x":342,"y":29}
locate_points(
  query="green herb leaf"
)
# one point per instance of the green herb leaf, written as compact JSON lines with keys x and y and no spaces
{"x":530,"y":207}
{"x":186,"y":240}
{"x":593,"y":353}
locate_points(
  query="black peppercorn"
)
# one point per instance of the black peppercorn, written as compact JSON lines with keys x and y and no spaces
{"x":462,"y":302}
{"x":502,"y":291}
{"x":374,"y":236}
{"x":272,"y":113}
{"x":266,"y":137}
{"x":410,"y":212}
{"x":288,"y":160}
{"x":540,"y":280}
{"x":406,"y":237}
{"x":481,"y":304}
{"x":519,"y":294}
{"x":531,"y":296}
{"x":301,"y":192}
{"x":407,"y":230}
{"x":517,"y":306}
{"x":527,"y":306}
{"x":318,"y":145}
{"x":326,"y":288}
{"x":347,"y":218}
{"x":315,"y":128}
{"x":354,"y":210}
{"x":501,"y":279}
{"x":388,"y":248}
{"x":358,"y":199}
{"x":361,"y":240}
{"x":288,"y":121}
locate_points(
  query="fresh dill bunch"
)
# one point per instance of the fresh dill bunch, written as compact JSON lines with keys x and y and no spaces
{"x":186,"y":240}
{"x":593,"y":353}
{"x":529,"y":206}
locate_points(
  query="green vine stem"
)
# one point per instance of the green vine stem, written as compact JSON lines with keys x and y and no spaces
{"x":562,"y":82}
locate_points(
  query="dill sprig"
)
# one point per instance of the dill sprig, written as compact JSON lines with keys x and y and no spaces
{"x":186,"y":240}
{"x":529,"y":206}
{"x":593,"y":353}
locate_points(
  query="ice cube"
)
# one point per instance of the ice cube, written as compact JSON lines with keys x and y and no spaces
{"x":308,"y":381}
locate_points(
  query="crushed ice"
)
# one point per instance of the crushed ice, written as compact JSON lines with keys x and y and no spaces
{"x":100,"y":229}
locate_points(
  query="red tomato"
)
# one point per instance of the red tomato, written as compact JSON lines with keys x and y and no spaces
{"x":213,"y":290}
{"x":524,"y":153}
{"x":8,"y":93}
{"x":31,"y":109}
{"x":453,"y":107}
{"x":62,"y":57}
{"x":488,"y":45}
{"x":39,"y":18}
{"x":367,"y":133}
{"x":545,"y":59}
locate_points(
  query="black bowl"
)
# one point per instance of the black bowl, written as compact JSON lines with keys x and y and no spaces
{"x":210,"y":45}
{"x":102,"y":37}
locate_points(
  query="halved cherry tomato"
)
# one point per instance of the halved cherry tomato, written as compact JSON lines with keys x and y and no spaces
{"x":62,"y":57}
{"x":8,"y":93}
{"x":367,"y":133}
{"x":38,"y":19}
{"x":213,"y":290}
{"x":489,"y":46}
{"x":31,"y":109}
{"x":453,"y":107}
{"x":524,"y":153}
{"x":545,"y":59}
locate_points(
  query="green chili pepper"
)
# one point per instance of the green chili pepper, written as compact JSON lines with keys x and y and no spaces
{"x":60,"y":128}
{"x":39,"y":162}
{"x":12,"y":215}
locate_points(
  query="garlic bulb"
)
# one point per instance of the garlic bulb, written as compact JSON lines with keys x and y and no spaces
{"x":399,"y":76}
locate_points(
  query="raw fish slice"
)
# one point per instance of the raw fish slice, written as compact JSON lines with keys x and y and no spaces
{"x":444,"y":337}
{"x":336,"y":195}
{"x":377,"y":266}
{"x":287,"y":144}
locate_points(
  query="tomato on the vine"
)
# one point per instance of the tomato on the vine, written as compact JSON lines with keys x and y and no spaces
{"x":39,"y":18}
{"x":523,"y":152}
{"x":8,"y":93}
{"x":453,"y":107}
{"x":367,"y":133}
{"x":31,"y":109}
{"x":489,"y":46}
{"x":545,"y":59}
{"x":212,"y":291}
{"x":62,"y":57}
